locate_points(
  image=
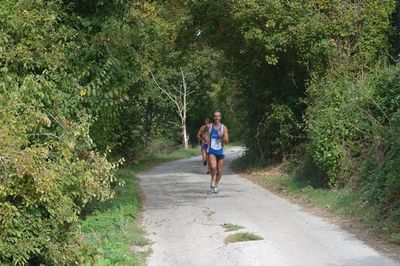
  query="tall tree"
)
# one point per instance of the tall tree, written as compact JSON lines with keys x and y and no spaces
{"x":179,"y":98}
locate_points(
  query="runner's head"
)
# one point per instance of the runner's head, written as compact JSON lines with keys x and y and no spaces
{"x":207,"y":120}
{"x":217,"y":116}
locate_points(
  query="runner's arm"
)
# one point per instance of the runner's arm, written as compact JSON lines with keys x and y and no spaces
{"x":225,"y":137}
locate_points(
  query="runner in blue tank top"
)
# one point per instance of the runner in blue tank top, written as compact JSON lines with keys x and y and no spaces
{"x":218,"y":137}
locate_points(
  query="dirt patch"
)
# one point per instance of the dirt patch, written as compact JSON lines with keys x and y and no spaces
{"x":242,"y":237}
{"x":365,"y":233}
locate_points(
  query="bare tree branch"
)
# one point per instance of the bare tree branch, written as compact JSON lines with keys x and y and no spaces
{"x":178,"y":91}
{"x":180,"y":101}
{"x":170,"y":95}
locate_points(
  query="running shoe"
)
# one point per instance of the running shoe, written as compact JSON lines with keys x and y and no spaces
{"x":215,"y":190}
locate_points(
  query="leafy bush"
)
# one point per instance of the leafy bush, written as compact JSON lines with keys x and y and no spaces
{"x":354,"y":129}
{"x":45,"y":180}
{"x":49,"y":169}
{"x":328,"y":124}
{"x":345,"y":116}
{"x":379,"y":174}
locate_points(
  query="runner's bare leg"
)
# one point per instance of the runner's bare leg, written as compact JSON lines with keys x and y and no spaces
{"x":213,"y":168}
{"x":220,"y":165}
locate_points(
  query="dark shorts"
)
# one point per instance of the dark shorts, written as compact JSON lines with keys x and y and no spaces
{"x":218,"y":156}
{"x":204,"y":147}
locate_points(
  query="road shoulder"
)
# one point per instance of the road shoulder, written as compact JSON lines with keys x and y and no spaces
{"x":351,"y":225}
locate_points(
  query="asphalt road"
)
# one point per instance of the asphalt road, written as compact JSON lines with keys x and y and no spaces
{"x":183,"y":221}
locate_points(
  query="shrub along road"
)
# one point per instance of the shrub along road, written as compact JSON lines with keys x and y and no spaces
{"x":185,"y":223}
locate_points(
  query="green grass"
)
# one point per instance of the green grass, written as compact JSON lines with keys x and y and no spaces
{"x":340,"y":201}
{"x":241,"y":237}
{"x":231,"y":227}
{"x":111,"y":229}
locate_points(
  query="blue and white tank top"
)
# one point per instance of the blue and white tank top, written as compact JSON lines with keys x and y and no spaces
{"x":216,"y":141}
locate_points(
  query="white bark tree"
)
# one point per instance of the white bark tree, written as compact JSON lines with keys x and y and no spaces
{"x":179,"y":98}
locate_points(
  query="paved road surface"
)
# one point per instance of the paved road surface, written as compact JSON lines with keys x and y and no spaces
{"x":184,"y":223}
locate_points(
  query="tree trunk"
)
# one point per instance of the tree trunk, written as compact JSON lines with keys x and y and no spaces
{"x":185,"y":135}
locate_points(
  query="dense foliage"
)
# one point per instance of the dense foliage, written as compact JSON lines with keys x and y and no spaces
{"x":308,"y":78}
{"x":380,"y":181}
{"x":49,"y":169}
